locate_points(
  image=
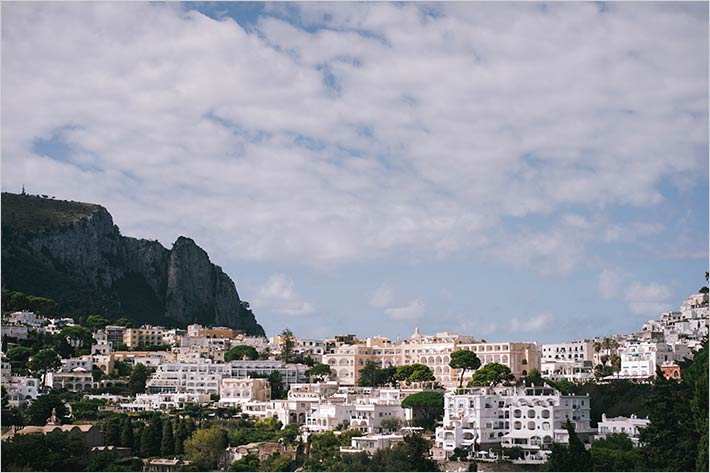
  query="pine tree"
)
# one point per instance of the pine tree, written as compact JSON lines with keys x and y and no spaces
{"x":167,"y":444}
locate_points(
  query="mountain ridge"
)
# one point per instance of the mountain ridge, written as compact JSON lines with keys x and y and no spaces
{"x":73,"y":253}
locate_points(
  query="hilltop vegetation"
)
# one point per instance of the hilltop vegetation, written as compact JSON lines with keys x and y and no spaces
{"x":23,"y":212}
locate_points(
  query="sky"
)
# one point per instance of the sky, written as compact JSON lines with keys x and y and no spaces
{"x":510,"y":171}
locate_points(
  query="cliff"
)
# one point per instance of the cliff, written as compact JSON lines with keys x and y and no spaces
{"x":73,"y":253}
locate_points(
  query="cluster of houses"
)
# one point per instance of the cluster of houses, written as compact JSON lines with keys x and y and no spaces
{"x":187,"y":367}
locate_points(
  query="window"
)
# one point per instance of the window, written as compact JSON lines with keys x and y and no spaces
{"x":517,"y":413}
{"x":531,"y":414}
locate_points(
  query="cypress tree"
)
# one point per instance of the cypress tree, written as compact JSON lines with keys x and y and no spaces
{"x":137,"y":436}
{"x":126,"y":436}
{"x":180,"y":436}
{"x":167,"y":444}
{"x":147,"y":443}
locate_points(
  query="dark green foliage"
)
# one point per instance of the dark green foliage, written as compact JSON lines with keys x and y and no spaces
{"x":122,"y":368}
{"x":415,"y":373}
{"x":464,"y":360}
{"x":411,"y":455}
{"x":372,"y":375}
{"x":616,"y":453}
{"x":319,"y":372}
{"x":111,"y":428}
{"x":167,"y":442}
{"x":268,"y":430}
{"x":95,"y":322}
{"x":241,"y":352}
{"x":41,"y":409}
{"x":181,"y":434}
{"x":78,"y":335}
{"x":278,"y":389}
{"x":570,"y":457}
{"x":56,"y":451}
{"x":618,"y":398}
{"x":491,"y":373}
{"x":676,"y":439}
{"x":126,"y":433}
{"x":428,"y":407}
{"x":534,"y":377}
{"x":14,"y":300}
{"x":249,"y":462}
{"x":86,"y":409}
{"x":287,"y":345}
{"x":18,"y":358}
{"x":139,"y":375}
{"x":44,"y":361}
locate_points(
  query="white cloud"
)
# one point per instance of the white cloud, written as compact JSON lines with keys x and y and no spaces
{"x":278,"y":295}
{"x":648,"y":299}
{"x":412,"y":311}
{"x":383,"y":296}
{"x":433,"y":135}
{"x":610,"y":284}
{"x":534,"y":324}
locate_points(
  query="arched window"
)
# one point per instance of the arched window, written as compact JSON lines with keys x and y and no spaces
{"x":531,"y":425}
{"x":517,"y":413}
{"x":517,"y":425}
{"x":535,"y":440}
{"x":531,"y":414}
{"x":524,"y":362}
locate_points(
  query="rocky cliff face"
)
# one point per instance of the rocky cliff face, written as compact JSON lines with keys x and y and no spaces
{"x":73,"y":253}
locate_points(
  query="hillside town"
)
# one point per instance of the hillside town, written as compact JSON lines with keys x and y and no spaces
{"x":513,"y":404}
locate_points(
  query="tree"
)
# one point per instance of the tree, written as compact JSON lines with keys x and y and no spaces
{"x":410,"y":455}
{"x":148,"y":441}
{"x":44,"y":361}
{"x":181,"y":434}
{"x":78,"y":336}
{"x":136,"y":383}
{"x":126,"y":435}
{"x":167,"y":443}
{"x":95,"y":322}
{"x":124,"y":322}
{"x":534,"y":377}
{"x":464,"y":360}
{"x":41,"y":409}
{"x":491,"y":374}
{"x":391,"y":424}
{"x":428,"y":407}
{"x":112,"y":430}
{"x":241,"y":352}
{"x":56,"y":451}
{"x":287,"y":344}
{"x":248,"y":462}
{"x":205,"y":447}
{"x":320,"y":372}
{"x":5,"y":398}
{"x":18,"y":358}
{"x":615,"y":361}
{"x":571,"y":457}
{"x":415,"y":373}
{"x":278,"y":388}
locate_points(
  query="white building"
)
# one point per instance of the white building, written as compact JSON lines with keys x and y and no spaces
{"x":164,"y":401}
{"x":235,"y":391}
{"x":197,"y":378}
{"x":630,"y":426}
{"x":21,"y":390}
{"x":639,"y":359}
{"x":371,"y":443}
{"x":531,"y":418}
{"x":580,"y":350}
{"x":578,"y":371}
